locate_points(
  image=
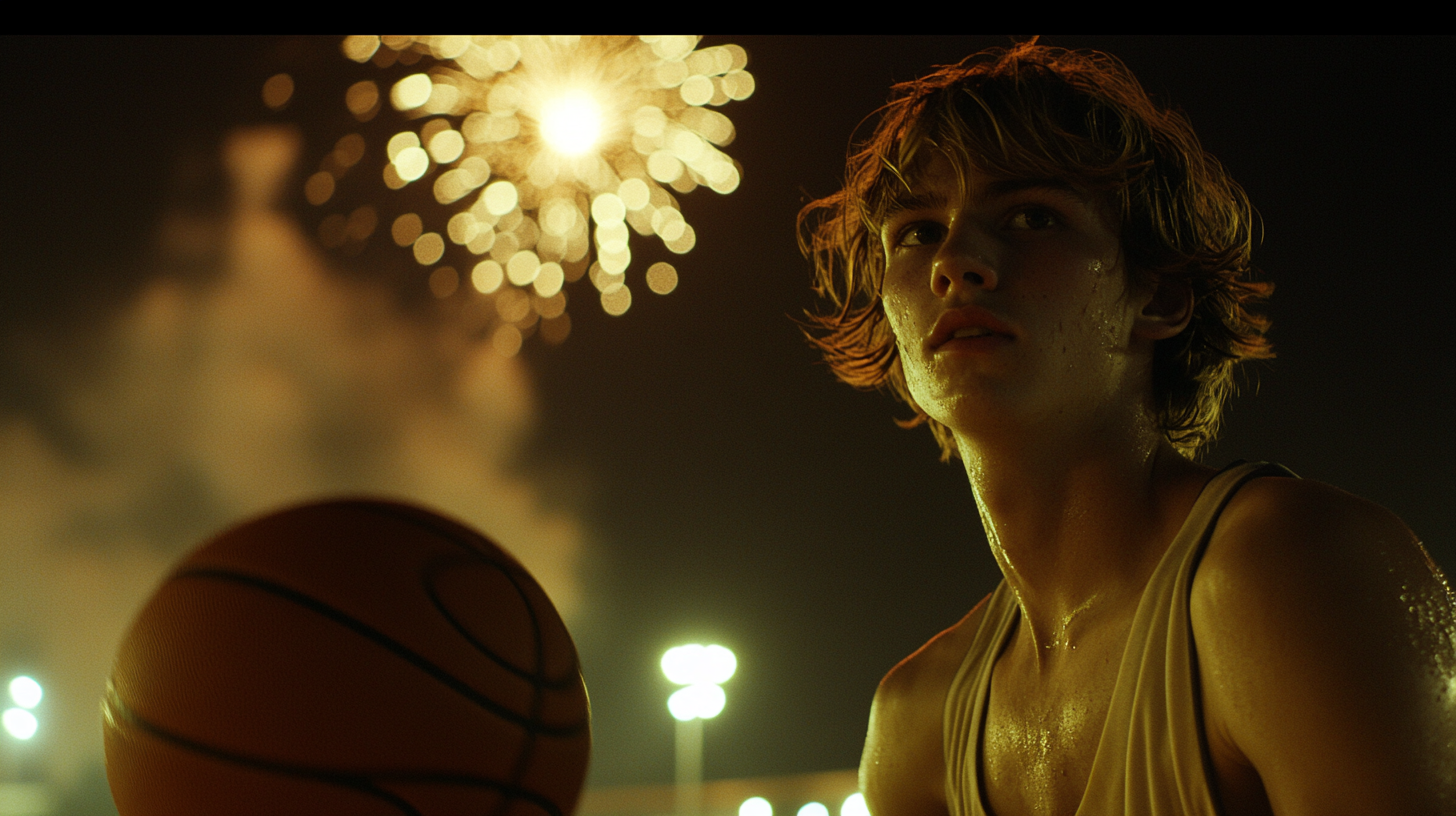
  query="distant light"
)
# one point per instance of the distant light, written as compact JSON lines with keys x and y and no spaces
{"x":719,"y":664}
{"x":684,"y":243}
{"x":444,"y":281}
{"x":26,"y":692}
{"x":406,"y":229}
{"x":814,"y":809}
{"x":571,"y":123}
{"x":549,"y":306}
{"x":680,"y":663}
{"x":697,"y":90}
{"x":661,"y":277}
{"x":608,"y":208}
{"x":446,"y":146}
{"x":634,"y":193}
{"x":854,"y":805}
{"x":507,"y":340}
{"x":548,"y":283}
{"x":20,"y":723}
{"x":696,"y":663}
{"x":411,"y":92}
{"x":428,"y":248}
{"x":755,"y":806}
{"x":513,"y":305}
{"x":349,"y":149}
{"x":400,"y":141}
{"x":411,"y":163}
{"x":616,"y":302}
{"x":500,"y":197}
{"x":319,"y":188}
{"x":360,"y":47}
{"x":487,"y":277}
{"x":362,"y":223}
{"x":362,"y":99}
{"x":699,"y":701}
{"x":523,"y":267}
{"x":277,"y":91}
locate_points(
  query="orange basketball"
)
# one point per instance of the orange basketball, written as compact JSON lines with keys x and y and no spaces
{"x":347,"y":657}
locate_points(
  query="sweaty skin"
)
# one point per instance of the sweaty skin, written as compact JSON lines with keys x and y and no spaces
{"x":1323,"y":632}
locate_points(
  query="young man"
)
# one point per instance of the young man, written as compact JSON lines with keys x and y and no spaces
{"x":1052,"y":274}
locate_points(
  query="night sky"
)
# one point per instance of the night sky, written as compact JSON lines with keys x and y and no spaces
{"x":724,"y":488}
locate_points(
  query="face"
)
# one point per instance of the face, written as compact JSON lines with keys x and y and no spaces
{"x":1009,"y":302}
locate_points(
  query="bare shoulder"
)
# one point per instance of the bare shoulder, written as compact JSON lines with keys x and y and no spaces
{"x":1326,"y":641}
{"x":902,"y":772}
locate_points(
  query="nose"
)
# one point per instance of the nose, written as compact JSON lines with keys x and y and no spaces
{"x":962,"y":263}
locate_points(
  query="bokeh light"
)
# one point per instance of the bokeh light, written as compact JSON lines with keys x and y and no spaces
{"x":26,"y":692}
{"x":854,"y":805}
{"x":661,"y":277}
{"x":571,"y":123}
{"x":277,"y":91}
{"x":20,"y":723}
{"x":755,"y":806}
{"x":702,"y":701}
{"x":546,"y":154}
{"x":814,"y":809}
{"x":696,"y":663}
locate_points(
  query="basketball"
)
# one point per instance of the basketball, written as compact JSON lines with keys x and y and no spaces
{"x":347,"y":657}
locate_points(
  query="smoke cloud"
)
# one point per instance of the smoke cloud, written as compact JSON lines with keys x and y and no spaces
{"x":275,"y":383}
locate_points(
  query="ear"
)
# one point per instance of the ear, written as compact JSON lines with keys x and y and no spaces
{"x":1166,"y":309}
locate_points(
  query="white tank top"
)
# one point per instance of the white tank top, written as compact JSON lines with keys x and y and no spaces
{"x":1152,"y":758}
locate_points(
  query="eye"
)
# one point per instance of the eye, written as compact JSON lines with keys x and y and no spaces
{"x":1033,"y":218}
{"x":919,"y":233}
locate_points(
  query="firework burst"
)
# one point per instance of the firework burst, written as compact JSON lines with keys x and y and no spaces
{"x":542,"y":155}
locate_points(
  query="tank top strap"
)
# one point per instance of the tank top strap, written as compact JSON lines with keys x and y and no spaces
{"x":1193,"y":537}
{"x":965,"y":704}
{"x":1152,"y":758}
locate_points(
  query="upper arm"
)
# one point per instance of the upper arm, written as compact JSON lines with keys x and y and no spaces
{"x":1325,"y":645}
{"x":902,"y":771}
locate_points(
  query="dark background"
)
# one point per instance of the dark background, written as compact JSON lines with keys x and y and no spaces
{"x":731,"y":490}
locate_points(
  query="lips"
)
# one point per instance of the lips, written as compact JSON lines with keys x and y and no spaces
{"x":967,"y":323}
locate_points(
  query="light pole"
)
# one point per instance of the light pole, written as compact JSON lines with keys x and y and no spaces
{"x":25,"y":694}
{"x":700,"y":670}
{"x":18,"y":698}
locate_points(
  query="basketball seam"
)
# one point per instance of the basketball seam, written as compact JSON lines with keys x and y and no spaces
{"x":381,"y":639}
{"x":468,"y":540}
{"x":538,"y":679}
{"x":363,"y":782}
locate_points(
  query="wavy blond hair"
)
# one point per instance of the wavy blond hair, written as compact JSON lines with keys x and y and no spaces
{"x":1079,"y":117}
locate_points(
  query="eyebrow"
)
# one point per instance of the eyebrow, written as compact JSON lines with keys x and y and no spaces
{"x":1008,"y":186}
{"x":994,"y":189}
{"x":915,"y":201}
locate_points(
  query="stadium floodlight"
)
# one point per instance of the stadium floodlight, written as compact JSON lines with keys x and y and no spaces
{"x":20,"y":724}
{"x":25,"y":691}
{"x":702,"y":701}
{"x":699,"y":669}
{"x":695,"y":663}
{"x":755,"y":806}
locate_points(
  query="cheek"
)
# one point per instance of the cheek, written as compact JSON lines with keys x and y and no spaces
{"x":1098,"y":337}
{"x":899,"y":313}
{"x":923,"y":385}
{"x":900,"y":317}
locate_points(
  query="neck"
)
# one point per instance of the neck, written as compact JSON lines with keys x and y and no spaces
{"x":1078,"y":525}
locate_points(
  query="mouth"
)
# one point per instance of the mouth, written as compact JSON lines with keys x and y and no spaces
{"x":971,"y":326}
{"x":975,"y":331}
